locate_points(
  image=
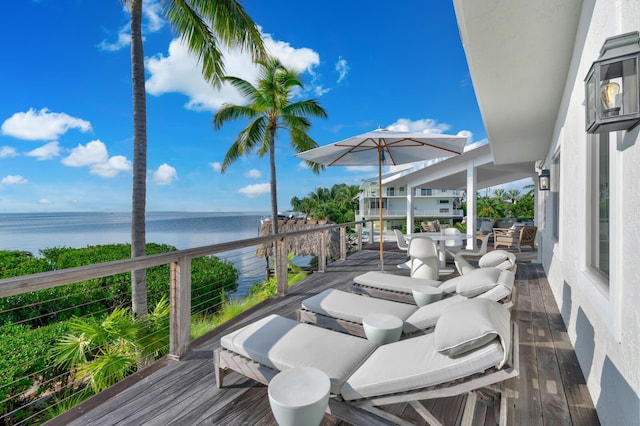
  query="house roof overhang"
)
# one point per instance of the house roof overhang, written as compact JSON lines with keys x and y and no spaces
{"x":519,"y":54}
{"x":451,"y":173}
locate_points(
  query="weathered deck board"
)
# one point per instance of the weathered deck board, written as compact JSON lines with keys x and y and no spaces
{"x":550,"y":388}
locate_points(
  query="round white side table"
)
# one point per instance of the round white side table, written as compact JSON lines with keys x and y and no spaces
{"x":299,"y":396}
{"x":382,"y":328}
{"x":424,"y":294}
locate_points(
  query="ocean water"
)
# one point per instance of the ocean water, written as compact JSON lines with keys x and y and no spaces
{"x":35,"y":231}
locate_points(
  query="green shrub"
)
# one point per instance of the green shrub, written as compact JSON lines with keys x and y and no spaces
{"x":211,"y":277}
{"x":24,"y":360}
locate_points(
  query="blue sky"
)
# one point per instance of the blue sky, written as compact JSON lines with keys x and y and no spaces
{"x":66,"y":110}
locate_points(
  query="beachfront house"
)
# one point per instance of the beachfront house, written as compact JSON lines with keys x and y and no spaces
{"x":543,"y":74}
{"x":427,"y":203}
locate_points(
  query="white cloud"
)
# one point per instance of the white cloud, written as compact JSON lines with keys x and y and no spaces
{"x":216,"y":166}
{"x":252,"y":191}
{"x":42,"y":125}
{"x":342,"y":69}
{"x":253,"y":174}
{"x":44,"y":201}
{"x":14,"y":180}
{"x":110,"y":168}
{"x":94,"y":152}
{"x":319,"y":91}
{"x":95,"y":156}
{"x":425,"y":125}
{"x":165,"y":175}
{"x":8,"y":151}
{"x":46,"y":152}
{"x":179,"y":72}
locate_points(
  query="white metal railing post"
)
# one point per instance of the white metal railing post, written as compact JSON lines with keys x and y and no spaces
{"x":180,"y":308}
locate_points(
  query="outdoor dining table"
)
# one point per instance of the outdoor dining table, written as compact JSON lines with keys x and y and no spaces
{"x":441,"y":238}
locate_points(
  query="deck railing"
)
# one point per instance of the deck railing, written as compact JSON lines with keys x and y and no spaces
{"x":179,"y":265}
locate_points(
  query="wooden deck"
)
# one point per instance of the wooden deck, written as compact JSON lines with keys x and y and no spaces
{"x":549,"y":391}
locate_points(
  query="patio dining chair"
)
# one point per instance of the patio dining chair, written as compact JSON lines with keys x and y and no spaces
{"x":401,"y":240}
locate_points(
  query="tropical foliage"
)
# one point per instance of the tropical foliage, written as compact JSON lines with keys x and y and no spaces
{"x":99,"y":340}
{"x":269,"y":111}
{"x":505,"y":204}
{"x":102,"y":352}
{"x":211,"y":277}
{"x":337,"y":204}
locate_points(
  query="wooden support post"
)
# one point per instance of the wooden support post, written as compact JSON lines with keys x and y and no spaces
{"x":281,"y":266}
{"x":343,"y":243}
{"x":322,"y":257}
{"x":180,"y":309}
{"x":359,"y":242}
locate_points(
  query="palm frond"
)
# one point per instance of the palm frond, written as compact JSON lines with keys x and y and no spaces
{"x":245,"y":88}
{"x":230,"y":112}
{"x":71,"y":350}
{"x":232,"y":27}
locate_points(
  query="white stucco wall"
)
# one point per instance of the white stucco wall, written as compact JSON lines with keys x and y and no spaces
{"x":603,"y":321}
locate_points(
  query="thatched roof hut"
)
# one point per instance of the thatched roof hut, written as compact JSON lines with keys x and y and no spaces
{"x":303,"y":245}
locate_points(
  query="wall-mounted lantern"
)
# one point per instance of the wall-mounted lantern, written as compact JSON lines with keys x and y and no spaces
{"x":544,"y":180}
{"x":613,"y":86}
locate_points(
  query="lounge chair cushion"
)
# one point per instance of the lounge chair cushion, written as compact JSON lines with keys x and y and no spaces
{"x":503,"y":290}
{"x":393,"y":282}
{"x":469,"y":325}
{"x":426,"y":316}
{"x":283,"y":343}
{"x":413,"y":364}
{"x":353,"y":307}
{"x":496,"y":259}
{"x":476,"y":282}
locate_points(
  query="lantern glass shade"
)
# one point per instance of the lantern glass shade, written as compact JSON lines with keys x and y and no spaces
{"x":612,"y":97}
{"x":544,"y":180}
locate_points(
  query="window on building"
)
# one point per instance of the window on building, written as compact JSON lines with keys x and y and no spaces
{"x":391,"y":192}
{"x":600,"y":223}
{"x":373,"y":204}
{"x":443,"y":201}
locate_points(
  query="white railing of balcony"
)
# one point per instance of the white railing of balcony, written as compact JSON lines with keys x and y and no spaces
{"x":416,"y":213}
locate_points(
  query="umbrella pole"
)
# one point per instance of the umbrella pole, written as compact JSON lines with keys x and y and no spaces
{"x":380,"y":205}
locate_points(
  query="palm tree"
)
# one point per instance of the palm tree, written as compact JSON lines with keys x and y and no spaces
{"x":270,"y":109}
{"x":101,"y":353}
{"x":203,"y":25}
{"x":513,"y":195}
{"x":499,"y":194}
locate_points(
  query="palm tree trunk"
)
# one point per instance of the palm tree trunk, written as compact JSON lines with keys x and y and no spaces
{"x":274,"y":195}
{"x":138,"y":239}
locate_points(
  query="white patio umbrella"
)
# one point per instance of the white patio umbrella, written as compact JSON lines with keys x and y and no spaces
{"x":385,"y":147}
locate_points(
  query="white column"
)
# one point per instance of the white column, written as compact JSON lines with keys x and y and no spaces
{"x":409,"y":209}
{"x":471,"y":205}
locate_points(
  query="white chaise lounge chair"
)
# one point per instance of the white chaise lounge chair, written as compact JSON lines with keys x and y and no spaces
{"x":343,"y":311}
{"x":399,"y":288}
{"x":474,"y":347}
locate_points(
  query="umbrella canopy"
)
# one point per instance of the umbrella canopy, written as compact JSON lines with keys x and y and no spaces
{"x":385,"y":147}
